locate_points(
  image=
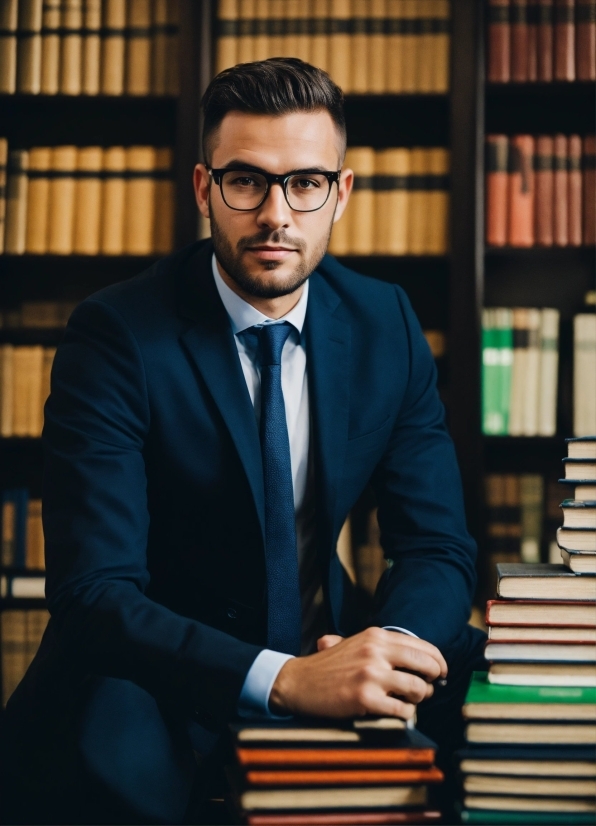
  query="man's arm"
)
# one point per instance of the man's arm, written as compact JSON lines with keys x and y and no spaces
{"x":96,"y":523}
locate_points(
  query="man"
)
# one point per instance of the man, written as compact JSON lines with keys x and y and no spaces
{"x":210,"y":425}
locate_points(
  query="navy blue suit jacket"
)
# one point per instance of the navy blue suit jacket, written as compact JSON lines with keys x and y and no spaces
{"x":153,"y":503}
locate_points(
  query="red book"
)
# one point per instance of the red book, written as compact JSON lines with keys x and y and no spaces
{"x":564,"y":40}
{"x":342,"y":777}
{"x":589,"y":189}
{"x":543,"y":183}
{"x":544,"y":36}
{"x":521,"y":191}
{"x":519,"y":40}
{"x":561,"y":186}
{"x":533,"y":40}
{"x":498,"y":70}
{"x":335,"y":757}
{"x":574,"y":192}
{"x":585,"y":39}
{"x":497,"y":148}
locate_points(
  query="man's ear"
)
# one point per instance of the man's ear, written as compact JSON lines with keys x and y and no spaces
{"x":202,"y":186}
{"x":346,"y":182}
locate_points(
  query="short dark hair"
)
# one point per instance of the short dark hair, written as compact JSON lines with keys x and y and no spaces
{"x":276,"y":86}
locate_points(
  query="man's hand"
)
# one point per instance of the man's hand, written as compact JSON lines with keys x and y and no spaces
{"x":356,"y":676}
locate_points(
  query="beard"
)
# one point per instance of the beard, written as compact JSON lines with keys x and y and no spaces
{"x":254,"y":285}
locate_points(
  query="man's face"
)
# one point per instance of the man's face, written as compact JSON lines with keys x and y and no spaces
{"x":270,"y":251}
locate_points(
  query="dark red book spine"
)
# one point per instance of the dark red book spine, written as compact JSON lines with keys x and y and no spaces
{"x":519,"y":40}
{"x":496,"y":190}
{"x":532,"y":40}
{"x":543,"y":182}
{"x":564,"y":40}
{"x":574,"y":192}
{"x":589,"y":189}
{"x":498,"y":70}
{"x":561,"y":186}
{"x":544,"y":36}
{"x":521,"y":191}
{"x":585,"y":39}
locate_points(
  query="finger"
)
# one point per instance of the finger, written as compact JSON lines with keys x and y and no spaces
{"x":416,"y":661}
{"x":328,"y":641}
{"x":405,"y":686}
{"x":386,"y":706}
{"x":422,"y":645}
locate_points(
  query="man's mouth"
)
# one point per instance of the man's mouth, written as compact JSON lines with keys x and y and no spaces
{"x":271,"y":253}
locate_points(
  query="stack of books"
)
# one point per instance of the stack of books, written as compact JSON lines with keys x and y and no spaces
{"x":577,"y":536}
{"x":369,"y":771}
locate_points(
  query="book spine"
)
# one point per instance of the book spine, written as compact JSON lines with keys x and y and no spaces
{"x":533,"y":40}
{"x":71,"y":47}
{"x":37,"y":201}
{"x":530,"y":400}
{"x":8,"y":46}
{"x":504,"y":326}
{"x":519,"y":40}
{"x":277,"y":28}
{"x":410,"y":45}
{"x":437,"y":220}
{"x":584,"y":369}
{"x":29,"y":47}
{"x":497,"y":151}
{"x":138,"y":48}
{"x":3,"y":162}
{"x":113,"y":201}
{"x":425,"y":49}
{"x":492,"y":423}
{"x":319,"y":42}
{"x":589,"y":190}
{"x":499,"y":42}
{"x":361,"y":217}
{"x":159,"y":24}
{"x":395,"y":43}
{"x":6,"y":389}
{"x":549,"y":367}
{"x":418,"y":201}
{"x":163,"y":241}
{"x":50,"y":47}
{"x":296,"y":33}
{"x":113,"y":47}
{"x":139,"y":208}
{"x":574,"y":192}
{"x":172,"y":50}
{"x":339,"y":46}
{"x":545,"y":40}
{"x":261,"y":30}
{"x":377,"y":53}
{"x":359,"y":46}
{"x":91,"y":47}
{"x":441,"y":45}
{"x":544,"y":183}
{"x":88,"y":201}
{"x":564,"y":17}
{"x":61,"y":203}
{"x":8,"y":526}
{"x":521,"y":191}
{"x":227,"y":34}
{"x":519,"y":371}
{"x":561,"y":187}
{"x":585,"y":39}
{"x":246,"y":11}
{"x":16,"y":202}
{"x":391,"y":201}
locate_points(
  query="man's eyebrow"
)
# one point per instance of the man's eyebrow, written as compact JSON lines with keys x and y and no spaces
{"x":242,"y":165}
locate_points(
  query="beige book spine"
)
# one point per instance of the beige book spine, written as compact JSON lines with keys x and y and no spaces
{"x":437,"y":225}
{"x":173,"y":56}
{"x":16,"y":202}
{"x":159,"y":43}
{"x":34,"y":555}
{"x":71,"y":47}
{"x":91,"y":48}
{"x":425,"y":53}
{"x":441,"y":46}
{"x":359,"y":47}
{"x":297,"y":44}
{"x":410,"y":46}
{"x":584,"y":370}
{"x":518,"y":373}
{"x":391,"y":206}
{"x":277,"y":42}
{"x":163,"y":235}
{"x":112,"y":201}
{"x":29,"y":47}
{"x":377,"y":52}
{"x":8,"y":46}
{"x":246,"y":41}
{"x":261,"y":37}
{"x":531,"y":384}
{"x":227,"y":41}
{"x":113,"y":47}
{"x":3,"y":162}
{"x":50,"y":47}
{"x":395,"y":47}
{"x":139,"y":207}
{"x":6,"y":389}
{"x":13,"y":649}
{"x":138,"y":48}
{"x":418,"y":201}
{"x":37,"y":201}
{"x":27,"y":391}
{"x":88,"y":201}
{"x":362,"y":209}
{"x":339,"y":44}
{"x":574,"y":191}
{"x":61,"y":204}
{"x":49,"y":354}
{"x":319,"y":42}
{"x":549,"y":368}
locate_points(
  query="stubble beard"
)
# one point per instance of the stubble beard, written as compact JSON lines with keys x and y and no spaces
{"x":231,"y":260}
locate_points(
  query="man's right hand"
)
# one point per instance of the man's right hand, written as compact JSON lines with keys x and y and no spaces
{"x":360,"y":675}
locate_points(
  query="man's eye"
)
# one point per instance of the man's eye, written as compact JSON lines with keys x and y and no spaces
{"x":305,"y":183}
{"x":244,"y":181}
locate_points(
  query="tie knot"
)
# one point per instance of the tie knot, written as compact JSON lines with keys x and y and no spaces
{"x":272,"y":338}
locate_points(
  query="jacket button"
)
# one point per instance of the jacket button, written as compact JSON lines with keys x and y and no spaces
{"x":232,"y":613}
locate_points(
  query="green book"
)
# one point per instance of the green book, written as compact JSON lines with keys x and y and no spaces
{"x":504,"y":343}
{"x":483,"y":816}
{"x":492,"y":417}
{"x":481,"y":691}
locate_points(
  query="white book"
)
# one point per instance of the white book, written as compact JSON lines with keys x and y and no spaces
{"x":584,"y":375}
{"x":531,"y":383}
{"x":549,"y":366}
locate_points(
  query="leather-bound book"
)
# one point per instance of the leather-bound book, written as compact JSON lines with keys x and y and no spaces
{"x":28,"y":368}
{"x":88,"y":201}
{"x":441,"y":45}
{"x":16,"y":202}
{"x":50,"y":47}
{"x":410,"y":43}
{"x":564,"y":17}
{"x":71,"y":47}
{"x":8,"y":46}
{"x":29,"y":47}
{"x":339,"y":44}
{"x":91,"y":47}
{"x":532,"y":62}
{"x":3,"y":160}
{"x":246,"y":11}
{"x":544,"y":36}
{"x":113,"y":47}
{"x":419,"y":201}
{"x":277,"y":28}
{"x":261,"y":30}
{"x":544,"y":182}
{"x":521,"y":191}
{"x":112,"y":201}
{"x":227,"y":34}
{"x":395,"y":46}
{"x":574,"y":191}
{"x":561,"y":186}
{"x":497,"y":151}
{"x":139,"y":208}
{"x":361,"y":211}
{"x":426,"y":41}
{"x":6,"y":404}
{"x":296,"y":37}
{"x":391,"y":201}
{"x":319,"y":42}
{"x":40,"y":158}
{"x":34,"y":550}
{"x":437,"y":225}
{"x":138,"y":48}
{"x":585,"y":39}
{"x":499,"y":42}
{"x":589,"y":190}
{"x":519,"y":40}
{"x":61,"y":203}
{"x":163,"y":234}
{"x":359,"y":46}
{"x":377,"y":56}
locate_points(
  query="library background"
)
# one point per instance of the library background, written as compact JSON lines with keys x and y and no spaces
{"x":471,"y":131}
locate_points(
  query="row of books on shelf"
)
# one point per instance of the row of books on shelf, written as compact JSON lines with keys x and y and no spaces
{"x":541,"y":40}
{"x":20,"y":635}
{"x":520,"y":356}
{"x":37,"y":315}
{"x":24,"y":387}
{"x":108,"y":47}
{"x":540,"y":191}
{"x":367,"y":46}
{"x":399,"y":204}
{"x":87,"y":200}
{"x":22,"y":531}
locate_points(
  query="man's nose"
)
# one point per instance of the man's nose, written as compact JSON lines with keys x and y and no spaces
{"x":275,"y":211}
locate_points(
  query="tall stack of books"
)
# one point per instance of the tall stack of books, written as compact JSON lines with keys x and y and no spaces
{"x":577,"y":536}
{"x":369,"y":771}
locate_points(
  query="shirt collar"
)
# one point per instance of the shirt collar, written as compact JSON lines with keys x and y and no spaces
{"x":243,"y":315}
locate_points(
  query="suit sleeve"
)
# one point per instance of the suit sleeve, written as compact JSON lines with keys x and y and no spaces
{"x":96,"y":524}
{"x":429,"y":587}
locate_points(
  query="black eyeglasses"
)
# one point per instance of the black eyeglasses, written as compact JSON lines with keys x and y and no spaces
{"x":244,"y":190}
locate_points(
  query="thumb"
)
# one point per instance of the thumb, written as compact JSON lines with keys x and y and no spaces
{"x":328,"y":641}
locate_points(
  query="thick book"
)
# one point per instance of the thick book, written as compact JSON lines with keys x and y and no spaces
{"x":61,"y":200}
{"x":497,"y":152}
{"x":341,"y":777}
{"x":544,"y":182}
{"x":581,"y":447}
{"x":579,"y":562}
{"x":532,"y":733}
{"x":29,"y":47}
{"x":22,"y":587}
{"x":582,"y":491}
{"x":34,"y":542}
{"x":560,"y":191}
{"x":356,"y":797}
{"x":519,"y":40}
{"x":385,"y":731}
{"x":546,"y":805}
{"x":8,"y":46}
{"x":531,"y":387}
{"x":542,"y":581}
{"x":578,"y":675}
{"x":564,"y":52}
{"x":541,"y":633}
{"x":88,"y":201}
{"x":540,"y":651}
{"x":581,"y":469}
{"x":360,"y":213}
{"x":576,"y":539}
{"x":15,"y":231}
{"x":361,"y":818}
{"x":521,"y":191}
{"x":574,"y":191}
{"x":532,"y":40}
{"x":91,"y":48}
{"x":6,"y":389}
{"x":528,"y":761}
{"x":584,"y":391}
{"x":523,"y":340}
{"x":544,"y":787}
{"x":113,"y":201}
{"x":544,"y":38}
{"x":113,"y":47}
{"x":137,"y":73}
{"x":71,"y":44}
{"x":579,"y":514}
{"x":139,"y":209}
{"x":520,"y":612}
{"x":499,"y":42}
{"x":585,"y":40}
{"x":38,"y":186}
{"x":391,"y":201}
{"x":50,"y":47}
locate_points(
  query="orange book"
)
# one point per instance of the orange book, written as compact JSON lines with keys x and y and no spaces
{"x":585,"y":40}
{"x":561,"y":185}
{"x":335,"y":757}
{"x":574,"y":191}
{"x":543,"y":181}
{"x":498,"y":70}
{"x":497,"y":150}
{"x":341,"y":777}
{"x":544,"y":40}
{"x":521,"y":191}
{"x":519,"y":40}
{"x":564,"y":68}
{"x":589,"y":189}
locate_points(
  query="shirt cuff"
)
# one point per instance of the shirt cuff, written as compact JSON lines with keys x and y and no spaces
{"x":402,"y":630}
{"x":254,"y":697}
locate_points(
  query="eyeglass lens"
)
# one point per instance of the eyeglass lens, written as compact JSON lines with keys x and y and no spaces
{"x":247,"y":190}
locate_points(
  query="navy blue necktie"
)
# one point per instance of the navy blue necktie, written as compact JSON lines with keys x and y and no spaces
{"x":283,"y":587}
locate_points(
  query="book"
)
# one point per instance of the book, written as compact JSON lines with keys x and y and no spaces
{"x":355,"y":797}
{"x":391,"y":201}
{"x":539,"y":652}
{"x":549,"y":371}
{"x":87,"y":217}
{"x":583,"y":492}
{"x":437,"y":223}
{"x":343,"y":818}
{"x":341,"y":777}
{"x":339,"y":47}
{"x":579,"y":562}
{"x":542,"y":581}
{"x":71,"y":42}
{"x":547,"y":787}
{"x":3,"y":161}
{"x":541,"y":818}
{"x":8,"y":46}
{"x":577,"y":470}
{"x":91,"y":48}
{"x":574,"y":191}
{"x":544,"y":183}
{"x":22,"y":587}
{"x":440,"y":46}
{"x":418,"y":201}
{"x":113,"y":47}
{"x":544,"y":37}
{"x":589,"y":190}
{"x":582,"y":447}
{"x":34,"y":547}
{"x":29,"y":47}
{"x":139,"y":208}
{"x":532,"y":40}
{"x":113,"y":201}
{"x":15,"y":232}
{"x":560,"y":192}
{"x":28,"y":369}
{"x":564,"y":47}
{"x":6,"y":389}
{"x":584,"y":387}
{"x":499,"y":42}
{"x":521,"y":191}
{"x":531,"y":733}
{"x":519,"y":40}
{"x":485,"y":701}
{"x":529,"y":402}
{"x":576,"y":539}
{"x":578,"y":514}
{"x":38,"y":189}
{"x":550,"y":614}
{"x":546,"y":805}
{"x":381,"y":731}
{"x":61,"y":200}
{"x":137,"y":71}
{"x":539,"y":633}
{"x":359,"y":46}
{"x":50,"y":47}
{"x":319,"y":40}
{"x":360,"y":212}
{"x":377,"y":57}
{"x":523,"y":337}
{"x":545,"y":674}
{"x":529,"y":761}
{"x":163,"y":233}
{"x":585,"y":40}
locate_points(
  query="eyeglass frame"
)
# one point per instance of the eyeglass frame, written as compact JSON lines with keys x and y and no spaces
{"x":282,"y":180}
